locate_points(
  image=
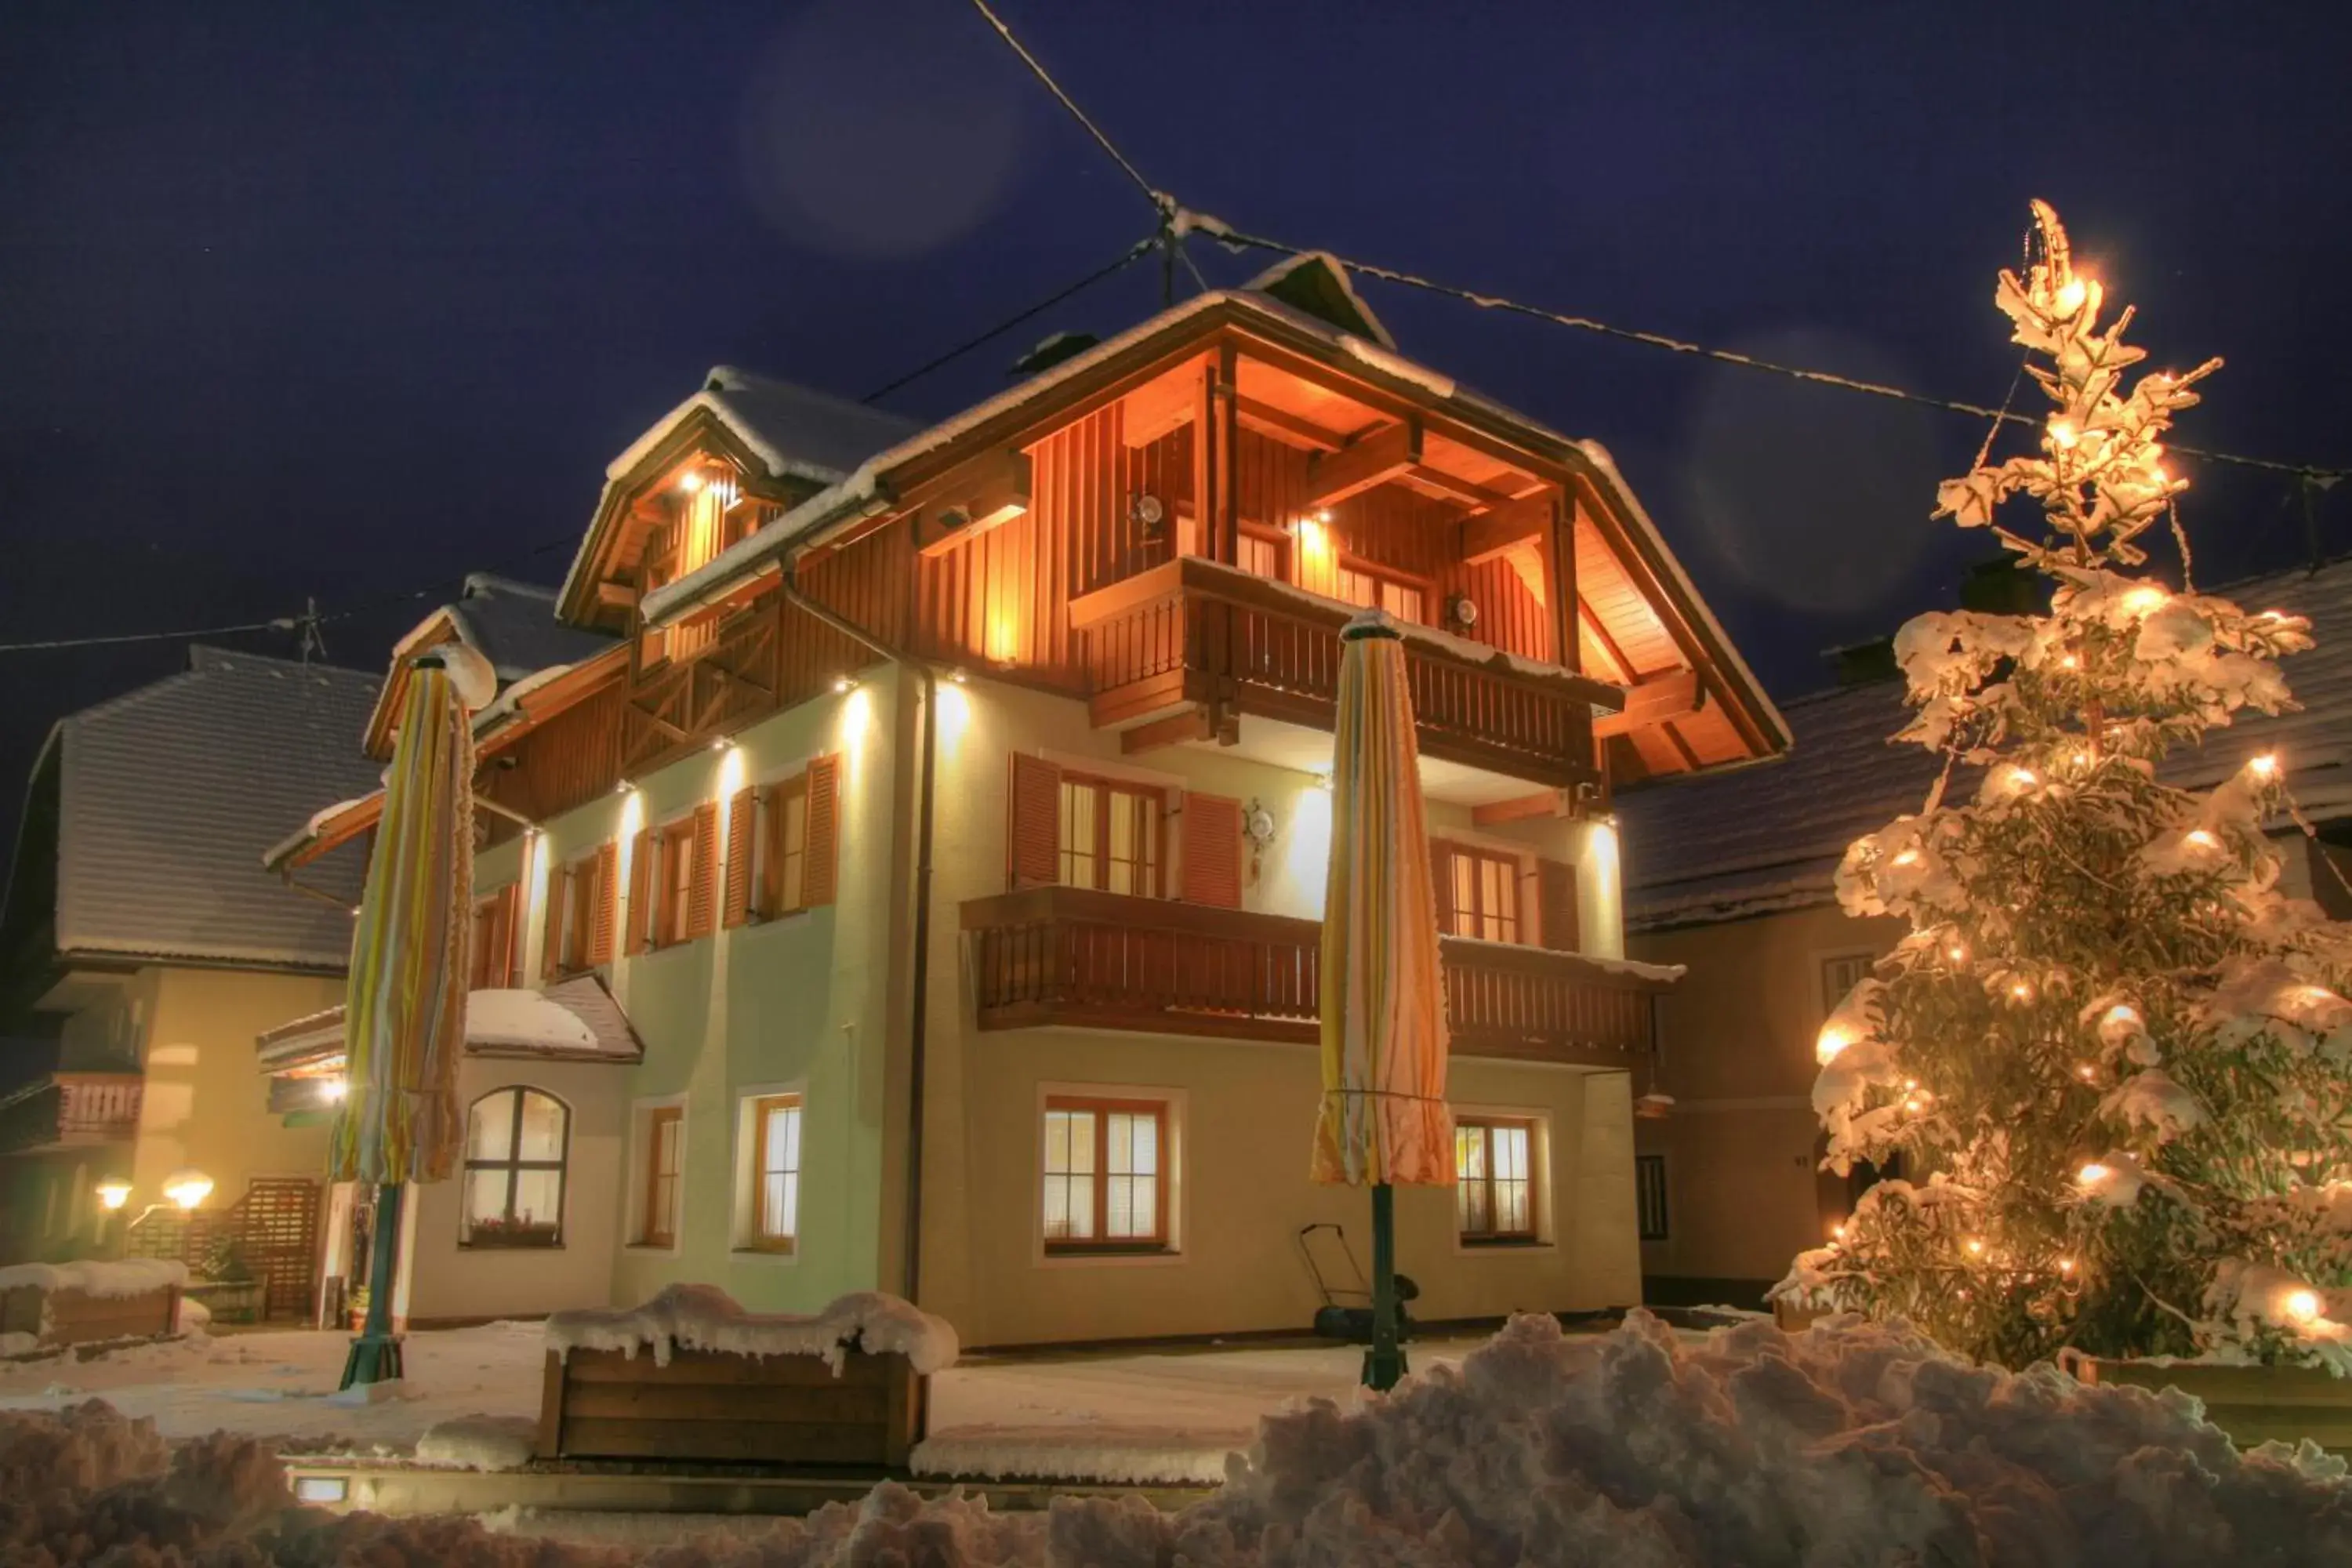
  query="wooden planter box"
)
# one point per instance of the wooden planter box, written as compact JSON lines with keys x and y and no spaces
{"x":709,"y":1406}
{"x":74,"y":1319}
{"x":2252,"y":1404}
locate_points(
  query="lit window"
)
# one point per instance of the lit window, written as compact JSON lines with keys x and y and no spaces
{"x":1260,"y":554}
{"x":1373,"y":590}
{"x":786,"y":883}
{"x":673,"y":917}
{"x":516,"y":1143}
{"x":1104,"y":1176}
{"x":583,"y":896}
{"x":1494,"y":1189}
{"x":664,"y":1145}
{"x":1483,"y":893}
{"x":1110,"y":836}
{"x":775,"y":1170}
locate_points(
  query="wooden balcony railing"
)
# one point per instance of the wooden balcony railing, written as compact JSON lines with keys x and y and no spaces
{"x":69,"y":1109}
{"x":1106,"y":961}
{"x":1196,"y":631}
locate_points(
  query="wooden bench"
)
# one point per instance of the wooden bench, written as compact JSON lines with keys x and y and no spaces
{"x":711,"y":1407}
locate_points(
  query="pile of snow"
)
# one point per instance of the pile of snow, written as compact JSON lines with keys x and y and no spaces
{"x":705,"y":1317}
{"x":481,"y":1443}
{"x":192,"y":1316}
{"x":110,"y":1281}
{"x":1135,"y":1456}
{"x":1849,"y":1443}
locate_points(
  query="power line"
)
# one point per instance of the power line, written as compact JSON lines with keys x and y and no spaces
{"x":1126,"y":257}
{"x":1229,"y":235}
{"x":282,"y":624}
{"x":1161,"y":203}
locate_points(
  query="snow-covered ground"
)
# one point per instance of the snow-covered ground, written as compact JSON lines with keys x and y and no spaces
{"x":1847,"y":1444}
{"x":1166,"y":1417}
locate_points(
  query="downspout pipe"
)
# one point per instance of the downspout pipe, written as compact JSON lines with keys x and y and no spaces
{"x":927,"y":791}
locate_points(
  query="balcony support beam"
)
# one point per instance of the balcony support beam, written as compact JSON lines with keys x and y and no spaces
{"x":1373,"y":460}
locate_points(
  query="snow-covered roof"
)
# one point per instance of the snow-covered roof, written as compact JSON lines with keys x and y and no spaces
{"x":1769,"y":838}
{"x":571,"y":1020}
{"x":796,"y":432}
{"x":513,"y":626}
{"x":168,"y":796}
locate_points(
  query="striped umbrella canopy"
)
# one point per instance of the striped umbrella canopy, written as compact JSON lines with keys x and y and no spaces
{"x":1383,"y":1118}
{"x":405,"y":1009}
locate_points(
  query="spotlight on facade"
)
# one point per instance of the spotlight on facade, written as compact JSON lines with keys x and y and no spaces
{"x":189,"y":1188}
{"x":843,"y":684}
{"x":113,"y":1193}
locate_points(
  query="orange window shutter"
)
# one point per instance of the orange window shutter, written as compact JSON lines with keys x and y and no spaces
{"x":822,"y":877}
{"x":551,"y":951}
{"x":1555,"y":897}
{"x":643,"y":855}
{"x":1033,"y":841}
{"x":505,"y":959}
{"x":1213,"y":851}
{"x":742,"y":817}
{"x":702,"y":889}
{"x":607,"y":891}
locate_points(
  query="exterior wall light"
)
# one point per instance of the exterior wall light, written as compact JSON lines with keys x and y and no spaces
{"x":189,"y":1188}
{"x":113,"y":1193}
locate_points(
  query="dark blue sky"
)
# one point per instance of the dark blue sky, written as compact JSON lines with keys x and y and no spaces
{"x":347,"y":301}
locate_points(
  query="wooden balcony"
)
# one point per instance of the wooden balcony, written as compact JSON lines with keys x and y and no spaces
{"x":70,"y":1110}
{"x":1104,"y":960}
{"x":1194,"y":633}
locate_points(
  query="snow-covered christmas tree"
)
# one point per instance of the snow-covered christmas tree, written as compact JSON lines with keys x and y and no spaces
{"x":2120,"y":1056}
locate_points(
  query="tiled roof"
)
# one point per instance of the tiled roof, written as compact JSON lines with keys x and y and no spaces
{"x":169,"y":794}
{"x":1769,"y":837}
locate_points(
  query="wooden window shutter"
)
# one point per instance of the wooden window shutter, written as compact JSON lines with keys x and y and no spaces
{"x":1033,"y":840}
{"x":742,"y":820}
{"x":1555,"y":897}
{"x":1440,"y":873}
{"x":559,"y":893}
{"x":505,"y":957}
{"x":1213,"y":851}
{"x":607,"y":889}
{"x":644,"y":855}
{"x":821,"y":875}
{"x":702,"y":891}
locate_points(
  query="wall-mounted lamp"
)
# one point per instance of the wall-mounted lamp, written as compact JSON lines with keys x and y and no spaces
{"x":113,"y":1193}
{"x":843,"y":684}
{"x":621,"y":786}
{"x":189,"y":1188}
{"x":691,"y":481}
{"x":335,"y":1089}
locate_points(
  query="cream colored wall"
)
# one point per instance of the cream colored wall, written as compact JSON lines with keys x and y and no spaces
{"x":448,"y":1280}
{"x":205,"y":1106}
{"x":1745,"y":1194}
{"x":797,"y":1002}
{"x":1248,"y":1107}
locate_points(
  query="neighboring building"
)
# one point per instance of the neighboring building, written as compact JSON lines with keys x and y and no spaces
{"x":143,"y":943}
{"x":950,"y":823}
{"x":1732,"y":876}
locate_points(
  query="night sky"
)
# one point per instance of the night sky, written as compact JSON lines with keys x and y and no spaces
{"x":345,"y":301}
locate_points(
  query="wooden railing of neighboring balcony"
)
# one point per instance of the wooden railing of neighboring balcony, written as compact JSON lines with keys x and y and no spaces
{"x":1107,"y":961}
{"x":1194,"y":630}
{"x":67,"y":1109}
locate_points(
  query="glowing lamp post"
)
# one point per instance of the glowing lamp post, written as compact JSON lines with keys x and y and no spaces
{"x":189,"y":1189}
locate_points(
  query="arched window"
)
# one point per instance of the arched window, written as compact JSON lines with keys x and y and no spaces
{"x":516,"y":1143}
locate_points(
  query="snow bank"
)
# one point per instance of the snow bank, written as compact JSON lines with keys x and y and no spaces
{"x":705,"y":1317}
{"x":481,"y":1442}
{"x":104,"y":1280}
{"x":1120,"y":1455}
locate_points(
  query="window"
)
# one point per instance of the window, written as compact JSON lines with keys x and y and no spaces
{"x":775,"y":1172}
{"x":493,"y":947}
{"x":1841,"y":974}
{"x":798,"y":841}
{"x":1650,"y":1194}
{"x":1108,"y":836}
{"x":516,"y":1143}
{"x":1262,"y":554}
{"x":1494,"y":1193}
{"x":674,"y":901}
{"x":578,"y":901}
{"x":1104,"y":1176}
{"x":665,"y":1144}
{"x":1376,"y":590}
{"x":1480,"y":893}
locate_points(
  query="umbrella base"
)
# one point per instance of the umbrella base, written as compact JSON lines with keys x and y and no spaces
{"x":373,"y":1358}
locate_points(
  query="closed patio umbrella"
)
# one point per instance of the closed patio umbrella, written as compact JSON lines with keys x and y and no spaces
{"x":1383,"y":1118}
{"x":404,"y":1010}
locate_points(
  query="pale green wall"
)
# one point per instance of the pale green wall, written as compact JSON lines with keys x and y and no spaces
{"x":795,"y":1003}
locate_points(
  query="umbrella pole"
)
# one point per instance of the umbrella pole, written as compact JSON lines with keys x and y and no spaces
{"x":1384,"y":1362}
{"x":375,"y":1356}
